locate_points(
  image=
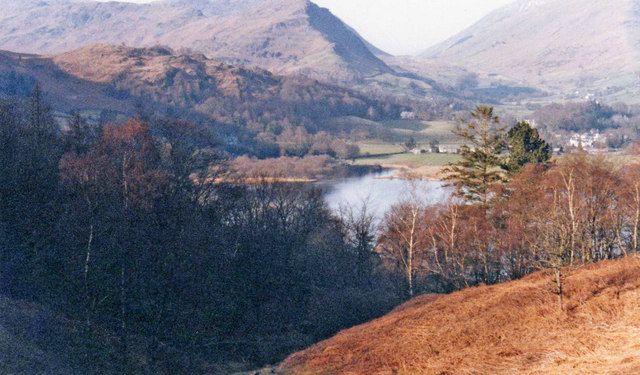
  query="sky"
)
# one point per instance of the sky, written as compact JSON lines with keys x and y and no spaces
{"x":406,"y":27}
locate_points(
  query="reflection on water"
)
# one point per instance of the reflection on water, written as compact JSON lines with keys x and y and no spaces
{"x":380,"y":190}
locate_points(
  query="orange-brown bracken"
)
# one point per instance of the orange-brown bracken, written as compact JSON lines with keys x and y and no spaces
{"x":513,"y":328}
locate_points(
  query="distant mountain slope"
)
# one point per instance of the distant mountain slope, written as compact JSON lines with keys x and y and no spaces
{"x":444,"y":73}
{"x":65,"y":92}
{"x":560,"y":44}
{"x":118,"y":78}
{"x":283,"y":36}
{"x":513,"y":328}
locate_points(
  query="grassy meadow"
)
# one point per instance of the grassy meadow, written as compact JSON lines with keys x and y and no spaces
{"x":423,"y":131}
{"x":409,"y":160}
{"x":392,"y":153}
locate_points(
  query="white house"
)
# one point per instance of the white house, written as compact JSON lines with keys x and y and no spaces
{"x":586,"y":140}
{"x":406,"y":115}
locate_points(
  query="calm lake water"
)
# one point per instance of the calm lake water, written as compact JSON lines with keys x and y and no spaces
{"x":380,"y":190}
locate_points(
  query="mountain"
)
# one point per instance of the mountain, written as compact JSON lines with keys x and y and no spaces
{"x":565,"y":45}
{"x":242,"y":108}
{"x":485,"y":86}
{"x":65,"y":92}
{"x":513,"y":328}
{"x":119,"y":78}
{"x":283,"y":36}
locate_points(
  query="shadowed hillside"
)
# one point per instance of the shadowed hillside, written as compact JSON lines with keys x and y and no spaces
{"x":116,"y":77}
{"x":505,"y":329}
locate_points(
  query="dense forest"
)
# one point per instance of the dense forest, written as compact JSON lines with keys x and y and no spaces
{"x":120,"y":227}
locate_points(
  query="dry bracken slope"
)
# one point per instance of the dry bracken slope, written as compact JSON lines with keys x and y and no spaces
{"x":513,"y":328}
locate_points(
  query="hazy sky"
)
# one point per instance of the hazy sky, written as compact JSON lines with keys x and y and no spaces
{"x":407,"y":26}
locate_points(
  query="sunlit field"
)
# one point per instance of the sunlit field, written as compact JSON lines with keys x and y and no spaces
{"x":409,"y":160}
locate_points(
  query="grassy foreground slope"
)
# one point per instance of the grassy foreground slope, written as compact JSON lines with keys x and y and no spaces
{"x":511,"y":328}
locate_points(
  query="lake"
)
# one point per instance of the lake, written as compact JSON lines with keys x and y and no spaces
{"x":380,"y":190}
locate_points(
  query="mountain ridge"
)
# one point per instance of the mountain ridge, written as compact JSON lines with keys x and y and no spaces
{"x":565,"y":45}
{"x":283,"y":36}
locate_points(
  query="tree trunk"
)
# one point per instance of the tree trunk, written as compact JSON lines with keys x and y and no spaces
{"x":124,"y":350}
{"x":87,"y":262}
{"x":636,"y":221}
{"x":559,"y":287}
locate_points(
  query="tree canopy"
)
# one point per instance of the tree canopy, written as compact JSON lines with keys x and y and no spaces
{"x":480,"y":166}
{"x":525,"y":147}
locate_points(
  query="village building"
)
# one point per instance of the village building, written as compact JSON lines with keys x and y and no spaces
{"x":407,"y":115}
{"x":587,"y":140}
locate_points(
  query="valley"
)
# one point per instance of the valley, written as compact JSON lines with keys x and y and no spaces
{"x":219,"y":186}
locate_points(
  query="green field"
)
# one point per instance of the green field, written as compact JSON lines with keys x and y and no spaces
{"x":440,"y":131}
{"x":423,"y":132}
{"x":409,"y":160}
{"x":398,"y":131}
{"x":376,"y":152}
{"x":379,"y":148}
{"x":391,"y":150}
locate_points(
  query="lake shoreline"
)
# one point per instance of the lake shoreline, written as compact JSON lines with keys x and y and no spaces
{"x":425,"y":173}
{"x":380,"y":191}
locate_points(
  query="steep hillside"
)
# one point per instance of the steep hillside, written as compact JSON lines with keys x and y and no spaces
{"x":20,"y":72}
{"x":105,"y":77}
{"x":514,"y":328}
{"x":589,"y":46}
{"x":283,"y":36}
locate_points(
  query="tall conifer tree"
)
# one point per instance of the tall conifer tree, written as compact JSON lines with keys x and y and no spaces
{"x":480,"y":166}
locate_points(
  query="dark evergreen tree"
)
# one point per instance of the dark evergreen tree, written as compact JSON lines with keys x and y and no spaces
{"x":410,"y":144}
{"x":80,"y":135}
{"x":525,"y":147}
{"x":31,"y":206}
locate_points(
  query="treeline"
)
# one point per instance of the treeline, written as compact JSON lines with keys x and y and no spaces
{"x":120,"y":227}
{"x":585,"y":116}
{"x":504,"y":223}
{"x":579,"y":210}
{"x":307,"y":168}
{"x":277,"y":139}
